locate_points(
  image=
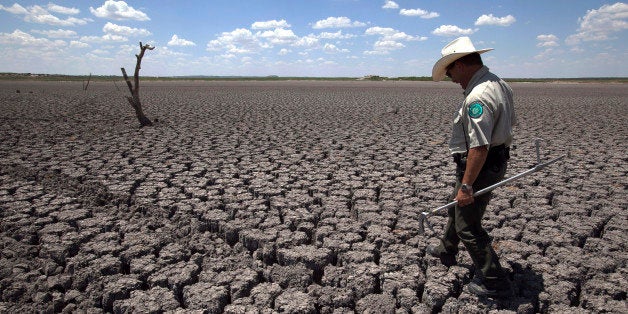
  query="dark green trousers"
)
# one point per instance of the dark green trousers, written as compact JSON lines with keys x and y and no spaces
{"x":465,"y":225}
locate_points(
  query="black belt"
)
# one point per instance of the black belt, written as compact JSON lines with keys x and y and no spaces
{"x":494,"y":153}
{"x":458,"y":157}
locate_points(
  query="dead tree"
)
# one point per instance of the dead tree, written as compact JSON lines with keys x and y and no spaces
{"x":88,"y":79}
{"x":134,"y":99}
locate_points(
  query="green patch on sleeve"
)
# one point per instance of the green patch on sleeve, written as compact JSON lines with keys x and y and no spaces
{"x":476,"y":110}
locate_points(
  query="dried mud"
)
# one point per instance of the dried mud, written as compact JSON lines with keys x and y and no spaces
{"x":298,"y":197}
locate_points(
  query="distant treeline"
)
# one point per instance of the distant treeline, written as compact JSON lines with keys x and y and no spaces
{"x":572,"y":80}
{"x":62,"y":77}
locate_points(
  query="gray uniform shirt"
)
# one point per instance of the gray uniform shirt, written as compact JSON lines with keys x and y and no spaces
{"x":486,"y":115}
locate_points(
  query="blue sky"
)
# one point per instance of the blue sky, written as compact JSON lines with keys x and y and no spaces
{"x":536,"y":38}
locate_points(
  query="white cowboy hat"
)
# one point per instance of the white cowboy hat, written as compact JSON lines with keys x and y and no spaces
{"x":454,"y":50}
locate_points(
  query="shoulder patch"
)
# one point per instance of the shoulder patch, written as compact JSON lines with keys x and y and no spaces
{"x":476,"y":110}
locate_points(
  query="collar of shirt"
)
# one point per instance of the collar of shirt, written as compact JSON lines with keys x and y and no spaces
{"x":475,"y":79}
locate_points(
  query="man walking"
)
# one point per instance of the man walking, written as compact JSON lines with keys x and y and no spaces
{"x":482,"y":134}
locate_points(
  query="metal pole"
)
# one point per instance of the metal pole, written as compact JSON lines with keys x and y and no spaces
{"x":498,"y":184}
{"x":423,"y":217}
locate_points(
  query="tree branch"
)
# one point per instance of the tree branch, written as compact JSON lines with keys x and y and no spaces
{"x":128,"y":82}
{"x":134,"y":99}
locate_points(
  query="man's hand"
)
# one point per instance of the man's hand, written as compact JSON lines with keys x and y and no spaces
{"x":475,"y":160}
{"x":464,"y":198}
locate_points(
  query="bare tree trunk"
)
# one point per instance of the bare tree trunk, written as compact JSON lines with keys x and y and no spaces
{"x":88,"y":79}
{"x":134,"y":99}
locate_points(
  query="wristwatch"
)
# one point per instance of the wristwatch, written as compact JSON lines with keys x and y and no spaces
{"x":466,"y":188}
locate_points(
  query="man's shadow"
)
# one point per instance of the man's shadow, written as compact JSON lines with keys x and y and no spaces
{"x":527,"y":285}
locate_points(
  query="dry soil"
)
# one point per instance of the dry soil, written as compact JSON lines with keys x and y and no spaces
{"x":298,"y":197}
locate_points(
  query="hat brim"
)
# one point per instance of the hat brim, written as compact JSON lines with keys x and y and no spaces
{"x":440,"y":67}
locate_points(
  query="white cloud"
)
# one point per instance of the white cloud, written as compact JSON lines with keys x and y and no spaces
{"x":576,"y":49}
{"x":279,"y":36}
{"x":452,"y":30}
{"x":104,"y":38}
{"x":165,"y":52}
{"x":78,"y":44}
{"x":337,"y":22}
{"x":270,"y":24}
{"x":392,"y":34}
{"x":308,"y":41}
{"x":600,"y":24}
{"x":51,"y":20}
{"x":240,"y":40}
{"x":546,"y":54}
{"x":389,"y":39}
{"x":388,"y":45}
{"x":336,"y":35}
{"x":548,"y":40}
{"x":63,"y":10}
{"x":19,"y":37}
{"x":284,"y":51}
{"x":40,"y":15}
{"x":419,"y":12}
{"x":246,"y":60}
{"x":548,"y":37}
{"x":379,"y":31}
{"x":243,"y":40}
{"x":376,"y":52}
{"x":331,"y":48}
{"x":91,"y":39}
{"x":493,"y":20}
{"x":72,"y":21}
{"x":118,"y":10}
{"x":114,"y":38}
{"x":59,"y":33}
{"x":176,"y":41}
{"x":14,"y":9}
{"x":390,"y":5}
{"x":100,"y":52}
{"x":116,"y":29}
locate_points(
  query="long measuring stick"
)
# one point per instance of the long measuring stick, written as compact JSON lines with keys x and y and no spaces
{"x":539,"y":166}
